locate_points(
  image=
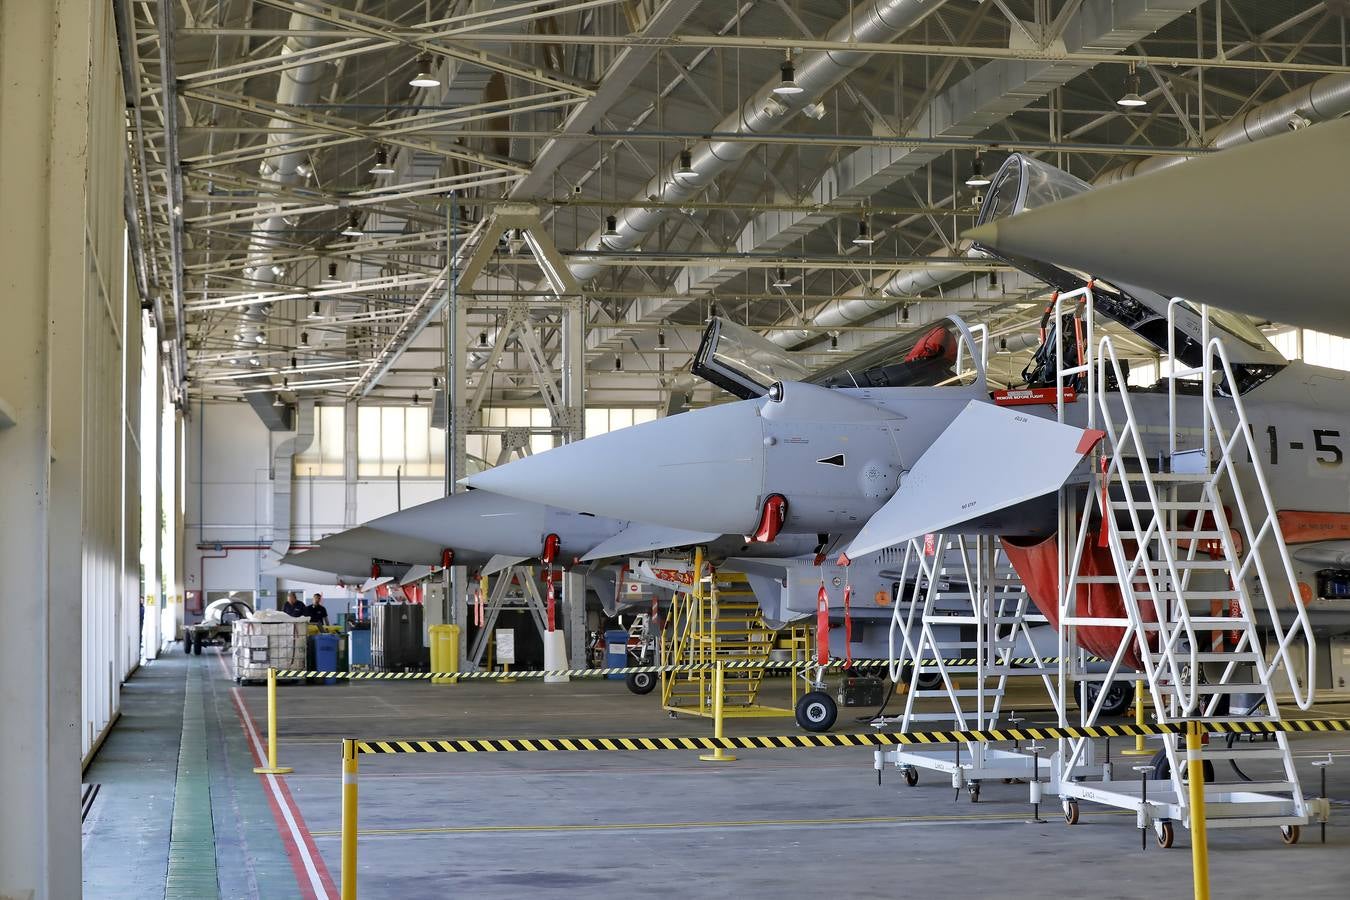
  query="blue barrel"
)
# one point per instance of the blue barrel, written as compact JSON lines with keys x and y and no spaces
{"x":616,"y":651}
{"x":358,"y":647}
{"x":326,"y":654}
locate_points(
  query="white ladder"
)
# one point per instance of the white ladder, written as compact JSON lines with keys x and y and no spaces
{"x":966,"y":583}
{"x":1193,"y":597}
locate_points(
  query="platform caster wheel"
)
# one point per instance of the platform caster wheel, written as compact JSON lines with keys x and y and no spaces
{"x":1071,"y":812}
{"x":1166,"y":835}
{"x":641,"y":682}
{"x":911,"y":775}
{"x":1289,"y":833}
{"x":817,"y":711}
{"x":974,"y":790}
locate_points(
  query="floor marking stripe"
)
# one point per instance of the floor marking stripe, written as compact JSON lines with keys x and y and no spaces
{"x":657,"y":826}
{"x":321,"y":885}
{"x":861,"y":739}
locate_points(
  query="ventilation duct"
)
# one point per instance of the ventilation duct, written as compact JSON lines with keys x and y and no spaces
{"x":283,"y":475}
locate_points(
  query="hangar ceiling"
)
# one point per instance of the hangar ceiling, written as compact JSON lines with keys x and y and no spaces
{"x":293,"y":193}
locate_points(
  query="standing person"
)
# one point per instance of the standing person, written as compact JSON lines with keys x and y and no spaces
{"x":294,"y":606}
{"x":318,"y":615}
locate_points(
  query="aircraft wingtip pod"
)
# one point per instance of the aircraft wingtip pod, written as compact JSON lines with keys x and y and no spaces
{"x":963,"y":475}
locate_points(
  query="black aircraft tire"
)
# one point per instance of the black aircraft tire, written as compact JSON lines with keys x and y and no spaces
{"x":641,"y":682}
{"x":1119,"y":697}
{"x":816,"y":711}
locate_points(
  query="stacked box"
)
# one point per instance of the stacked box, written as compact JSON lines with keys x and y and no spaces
{"x":257,"y":646}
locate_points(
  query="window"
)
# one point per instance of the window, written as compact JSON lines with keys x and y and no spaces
{"x":1315,"y":348}
{"x":488,"y":447}
{"x":392,"y":437}
{"x":601,"y":420}
{"x":323,"y":457}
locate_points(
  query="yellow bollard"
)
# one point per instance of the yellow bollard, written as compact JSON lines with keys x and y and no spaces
{"x":1195,"y":770}
{"x":272,"y":768}
{"x":1139,"y":748}
{"x":349,"y":770}
{"x":718,"y":755}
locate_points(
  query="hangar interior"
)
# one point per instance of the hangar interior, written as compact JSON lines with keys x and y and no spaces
{"x":542,"y":338}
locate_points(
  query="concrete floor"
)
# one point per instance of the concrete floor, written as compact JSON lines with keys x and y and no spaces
{"x":598,"y":825}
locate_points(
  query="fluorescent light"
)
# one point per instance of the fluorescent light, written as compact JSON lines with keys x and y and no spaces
{"x":424,"y":78}
{"x":381,"y":166}
{"x":977,"y":177}
{"x":787,"y":84}
{"x":1131,"y":98}
{"x":782,"y":280}
{"x":353,"y":228}
{"x":864,"y":237}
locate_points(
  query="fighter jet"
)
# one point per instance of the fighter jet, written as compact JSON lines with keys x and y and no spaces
{"x":1258,"y":229}
{"x":879,"y":465}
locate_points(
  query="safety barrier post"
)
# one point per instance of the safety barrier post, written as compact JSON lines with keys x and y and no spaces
{"x":1139,"y":748}
{"x":718,"y":755}
{"x":272,"y":768}
{"x":349,"y":771}
{"x":1195,"y":770}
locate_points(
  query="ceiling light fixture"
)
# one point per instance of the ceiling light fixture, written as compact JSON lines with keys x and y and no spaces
{"x":381,"y":166}
{"x":1131,"y":99}
{"x":834,"y":342}
{"x":277,"y":401}
{"x":904,"y":314}
{"x":618,"y":363}
{"x":977,"y":178}
{"x":353,"y":228}
{"x":416,"y":400}
{"x":482,"y":338}
{"x":787,"y":83}
{"x":661,"y":341}
{"x":331,"y":277}
{"x":686,"y":166}
{"x":864,"y":237}
{"x":314,"y":312}
{"x":304,"y":339}
{"x":258,"y":338}
{"x":782,"y":281}
{"x":254,"y":361}
{"x":424,"y":78}
{"x":1003,"y":347}
{"x":611,"y":226}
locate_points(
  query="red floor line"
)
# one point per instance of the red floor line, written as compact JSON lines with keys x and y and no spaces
{"x":327,"y":887}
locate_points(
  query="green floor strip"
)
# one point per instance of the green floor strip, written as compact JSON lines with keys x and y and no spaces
{"x":192,"y":838}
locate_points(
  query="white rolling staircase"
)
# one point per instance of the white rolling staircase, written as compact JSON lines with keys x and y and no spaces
{"x":954,"y":645}
{"x":1205,"y":584}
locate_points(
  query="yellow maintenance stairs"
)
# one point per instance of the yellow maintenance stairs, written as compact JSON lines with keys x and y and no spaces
{"x":720,"y":621}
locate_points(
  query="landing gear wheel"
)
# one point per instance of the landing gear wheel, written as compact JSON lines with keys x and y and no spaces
{"x":1162,"y":769}
{"x":1166,"y":835}
{"x":641,"y":682}
{"x":816,"y":711}
{"x":197,"y":646}
{"x":1289,"y":833}
{"x":1071,"y":812}
{"x":911,"y":775}
{"x":974,"y":790}
{"x":1119,"y":697}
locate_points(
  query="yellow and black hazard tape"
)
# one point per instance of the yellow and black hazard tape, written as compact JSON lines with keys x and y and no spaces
{"x":809,"y":741}
{"x":728,"y":665}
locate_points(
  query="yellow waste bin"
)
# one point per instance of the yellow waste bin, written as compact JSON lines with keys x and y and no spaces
{"x":444,"y":651}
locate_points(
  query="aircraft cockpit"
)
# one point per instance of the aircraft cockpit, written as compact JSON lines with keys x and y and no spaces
{"x":745,"y":364}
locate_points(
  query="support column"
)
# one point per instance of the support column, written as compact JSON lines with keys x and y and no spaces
{"x":574,"y":593}
{"x":45,"y":59}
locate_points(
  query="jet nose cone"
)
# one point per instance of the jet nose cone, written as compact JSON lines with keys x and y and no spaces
{"x":700,"y":470}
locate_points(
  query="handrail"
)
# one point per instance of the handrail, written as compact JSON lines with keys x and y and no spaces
{"x":1129,"y":438}
{"x":1268,"y":532}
